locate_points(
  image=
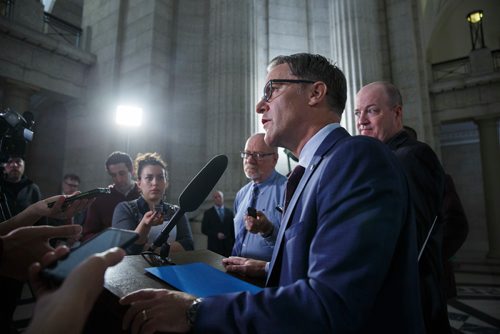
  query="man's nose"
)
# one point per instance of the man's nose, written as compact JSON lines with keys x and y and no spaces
{"x":362,"y":119}
{"x":261,"y":106}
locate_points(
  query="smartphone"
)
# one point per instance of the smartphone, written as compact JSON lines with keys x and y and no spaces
{"x":159,"y":208}
{"x":252,"y":212}
{"x":85,"y":195}
{"x":109,"y":238}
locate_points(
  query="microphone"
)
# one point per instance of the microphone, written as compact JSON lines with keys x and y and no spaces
{"x":193,"y":195}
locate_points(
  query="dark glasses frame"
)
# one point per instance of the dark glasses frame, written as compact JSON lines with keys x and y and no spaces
{"x":268,"y":88}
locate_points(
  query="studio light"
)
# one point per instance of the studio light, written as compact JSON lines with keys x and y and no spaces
{"x":130,"y":116}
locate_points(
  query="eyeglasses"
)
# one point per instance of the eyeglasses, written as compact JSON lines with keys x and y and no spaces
{"x":256,"y":156}
{"x":71,"y":185}
{"x":268,"y":88}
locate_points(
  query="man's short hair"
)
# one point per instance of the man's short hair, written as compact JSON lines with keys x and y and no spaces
{"x":72,"y":176}
{"x":317,"y":68}
{"x":119,"y":157}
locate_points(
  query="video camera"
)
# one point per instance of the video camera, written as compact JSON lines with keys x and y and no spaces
{"x":15,"y":132}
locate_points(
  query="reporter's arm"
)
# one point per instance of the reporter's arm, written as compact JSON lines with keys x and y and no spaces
{"x":35,"y":211}
{"x":66,"y":309}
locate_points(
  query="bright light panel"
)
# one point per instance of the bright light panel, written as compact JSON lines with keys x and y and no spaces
{"x":129,"y":116}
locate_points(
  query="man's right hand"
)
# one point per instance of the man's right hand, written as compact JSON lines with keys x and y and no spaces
{"x":245,"y":267}
{"x":258,"y":225}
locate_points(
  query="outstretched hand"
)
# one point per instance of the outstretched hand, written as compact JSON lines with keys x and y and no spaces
{"x":65,"y":310}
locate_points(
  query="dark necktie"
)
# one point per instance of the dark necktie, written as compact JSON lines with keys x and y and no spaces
{"x":238,"y":244}
{"x":292,"y":183}
{"x":220,"y":211}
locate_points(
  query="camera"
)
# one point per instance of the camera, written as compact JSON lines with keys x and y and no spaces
{"x":15,"y":132}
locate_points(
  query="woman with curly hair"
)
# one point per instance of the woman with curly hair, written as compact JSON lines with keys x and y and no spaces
{"x":149,"y":213}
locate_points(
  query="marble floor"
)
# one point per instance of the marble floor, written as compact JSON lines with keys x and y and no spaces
{"x":477,"y":306}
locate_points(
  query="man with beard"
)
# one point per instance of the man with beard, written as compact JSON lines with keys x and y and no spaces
{"x":100,"y":212}
{"x":18,"y":192}
{"x":264,"y":193}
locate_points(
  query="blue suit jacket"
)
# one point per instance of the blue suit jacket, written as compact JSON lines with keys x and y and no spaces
{"x":345,"y":259}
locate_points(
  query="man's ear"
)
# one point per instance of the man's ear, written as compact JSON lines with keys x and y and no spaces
{"x":317,"y":93}
{"x":398,"y":112}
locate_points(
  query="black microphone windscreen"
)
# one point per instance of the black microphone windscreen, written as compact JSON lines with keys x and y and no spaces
{"x":202,"y":184}
{"x":195,"y":193}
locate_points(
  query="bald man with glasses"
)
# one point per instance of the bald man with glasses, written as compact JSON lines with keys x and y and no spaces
{"x":255,"y":237}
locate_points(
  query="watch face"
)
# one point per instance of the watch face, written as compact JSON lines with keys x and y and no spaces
{"x":192,"y":310}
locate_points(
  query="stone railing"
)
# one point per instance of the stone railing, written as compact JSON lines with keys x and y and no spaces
{"x":451,"y":69}
{"x":460,"y":67}
{"x":496,"y":59}
{"x":60,"y":29}
{"x":38,"y":20}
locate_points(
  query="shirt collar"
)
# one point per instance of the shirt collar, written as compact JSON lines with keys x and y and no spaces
{"x":307,"y":153}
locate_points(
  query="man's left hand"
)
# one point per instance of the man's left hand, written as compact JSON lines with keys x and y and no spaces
{"x":157,"y":310}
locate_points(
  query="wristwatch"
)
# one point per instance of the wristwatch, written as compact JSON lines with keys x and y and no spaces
{"x":192,"y":310}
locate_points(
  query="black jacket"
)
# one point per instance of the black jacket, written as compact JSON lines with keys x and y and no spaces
{"x":18,"y":196}
{"x":211,"y":225}
{"x":426,"y":179}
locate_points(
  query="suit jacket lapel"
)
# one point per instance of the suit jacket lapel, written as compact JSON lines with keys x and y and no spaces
{"x":325,"y":146}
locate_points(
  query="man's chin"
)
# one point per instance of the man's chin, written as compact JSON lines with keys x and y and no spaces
{"x":252,"y":176}
{"x":16,"y":176}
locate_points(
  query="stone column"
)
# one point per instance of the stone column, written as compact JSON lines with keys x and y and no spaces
{"x":358,"y":46}
{"x":230,"y":112}
{"x":490,"y":160}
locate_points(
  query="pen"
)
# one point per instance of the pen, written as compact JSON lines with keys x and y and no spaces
{"x":279,"y":208}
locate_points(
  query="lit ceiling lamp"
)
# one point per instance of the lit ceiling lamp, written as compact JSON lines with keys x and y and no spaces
{"x":475,"y":19}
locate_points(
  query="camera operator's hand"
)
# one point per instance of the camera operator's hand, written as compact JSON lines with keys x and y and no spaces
{"x":26,"y":245}
{"x":66,"y":309}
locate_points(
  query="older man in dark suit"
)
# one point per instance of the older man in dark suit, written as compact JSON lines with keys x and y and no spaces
{"x":217,"y":225}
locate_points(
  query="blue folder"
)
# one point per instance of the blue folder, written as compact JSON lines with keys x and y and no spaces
{"x":201,"y":280}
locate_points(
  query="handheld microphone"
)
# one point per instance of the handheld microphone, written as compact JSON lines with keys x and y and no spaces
{"x":194,"y":194}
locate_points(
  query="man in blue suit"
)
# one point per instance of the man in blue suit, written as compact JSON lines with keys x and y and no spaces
{"x":345,"y":258}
